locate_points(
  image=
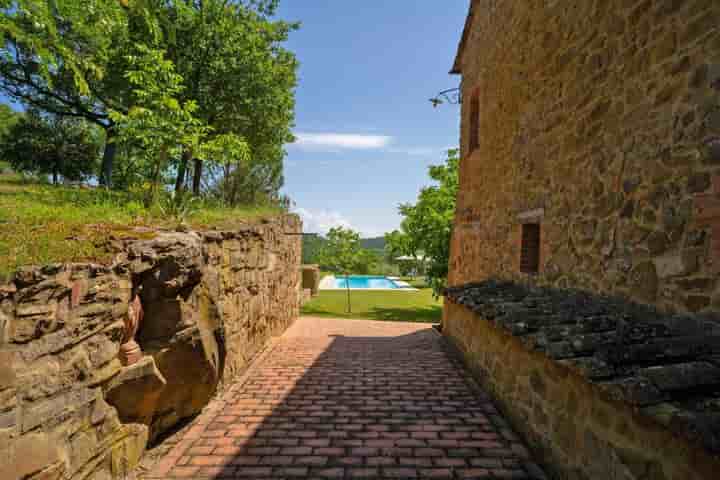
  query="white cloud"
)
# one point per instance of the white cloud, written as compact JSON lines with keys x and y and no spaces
{"x":321,"y":221}
{"x":341,"y":141}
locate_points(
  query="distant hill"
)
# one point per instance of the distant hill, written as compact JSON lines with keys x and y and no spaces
{"x":377,"y":243}
{"x":313,"y":242}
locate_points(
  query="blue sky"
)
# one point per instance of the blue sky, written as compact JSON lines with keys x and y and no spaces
{"x":366,"y":131}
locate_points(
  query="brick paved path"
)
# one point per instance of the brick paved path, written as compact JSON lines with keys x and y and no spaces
{"x":350,"y":399}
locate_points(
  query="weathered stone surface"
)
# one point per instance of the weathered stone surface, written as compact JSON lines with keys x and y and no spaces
{"x":584,"y":414}
{"x":612,"y":127}
{"x":644,"y":281}
{"x":669,"y":266}
{"x":683,"y":376}
{"x":634,"y":354}
{"x":27,"y":455}
{"x":135,"y":391}
{"x":68,"y":408}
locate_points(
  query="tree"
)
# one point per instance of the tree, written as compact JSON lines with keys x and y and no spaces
{"x":157,"y":121}
{"x":342,"y":254}
{"x":8,"y":119}
{"x":51,"y":145}
{"x":398,"y":244}
{"x":230,"y":56}
{"x":64,"y":57}
{"x":311,"y":245}
{"x":78,"y":59}
{"x":427,"y":225}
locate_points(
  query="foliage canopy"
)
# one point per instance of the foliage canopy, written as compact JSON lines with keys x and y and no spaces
{"x":170,"y":82}
{"x":341,"y":253}
{"x":49,"y":145}
{"x":427,"y":224}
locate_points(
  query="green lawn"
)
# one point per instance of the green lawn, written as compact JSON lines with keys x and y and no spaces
{"x":42,"y":224}
{"x":413,"y":306}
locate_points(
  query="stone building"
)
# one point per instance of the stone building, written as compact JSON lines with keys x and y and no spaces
{"x":585,"y":256}
{"x":592,"y":128}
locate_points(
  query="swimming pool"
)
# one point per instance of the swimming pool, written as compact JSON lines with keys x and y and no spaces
{"x":364,"y":282}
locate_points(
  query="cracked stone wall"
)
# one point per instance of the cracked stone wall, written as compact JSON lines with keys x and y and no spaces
{"x":81,"y":400}
{"x":603,"y":118}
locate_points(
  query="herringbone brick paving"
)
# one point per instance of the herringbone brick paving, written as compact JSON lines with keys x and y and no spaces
{"x":351,"y":399}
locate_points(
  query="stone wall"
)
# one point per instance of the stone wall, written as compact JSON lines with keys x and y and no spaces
{"x":602,"y":120}
{"x":601,"y":388}
{"x":95,"y":361}
{"x":311,"y":278}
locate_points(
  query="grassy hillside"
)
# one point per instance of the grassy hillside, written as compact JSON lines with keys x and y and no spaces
{"x":44,"y":224}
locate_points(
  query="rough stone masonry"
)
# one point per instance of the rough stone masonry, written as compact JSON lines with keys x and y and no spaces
{"x":600,"y":121}
{"x":97,"y":360}
{"x":590,"y":160}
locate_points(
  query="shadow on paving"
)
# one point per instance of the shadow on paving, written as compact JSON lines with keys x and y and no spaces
{"x":352,"y":407}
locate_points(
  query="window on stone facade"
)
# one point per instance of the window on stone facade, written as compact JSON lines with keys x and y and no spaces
{"x":474,"y":121}
{"x":530,"y":248}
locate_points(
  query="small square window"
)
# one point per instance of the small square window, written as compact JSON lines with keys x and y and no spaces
{"x":530,"y":248}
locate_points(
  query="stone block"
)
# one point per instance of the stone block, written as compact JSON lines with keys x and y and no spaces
{"x":636,"y":391}
{"x":135,"y":391}
{"x":126,"y":455}
{"x":55,"y":410}
{"x":7,"y":370}
{"x":27,"y":455}
{"x":56,"y":471}
{"x":683,"y":376}
{"x":670,"y":265}
{"x":104,"y":347}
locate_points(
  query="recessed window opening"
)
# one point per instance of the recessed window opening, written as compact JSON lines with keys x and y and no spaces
{"x":530,"y":249}
{"x":474,"y":121}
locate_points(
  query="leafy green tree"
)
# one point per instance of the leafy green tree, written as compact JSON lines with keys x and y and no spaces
{"x":231,"y":58}
{"x":157,"y":121}
{"x":64,"y":57}
{"x":8,"y":118}
{"x":342,"y":254}
{"x":427,"y":224}
{"x":49,"y":145}
{"x":311,"y":245}
{"x":398,"y":244}
{"x":71,"y":58}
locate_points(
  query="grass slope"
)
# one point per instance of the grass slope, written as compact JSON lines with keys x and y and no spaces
{"x":419,"y":306}
{"x":42,"y":224}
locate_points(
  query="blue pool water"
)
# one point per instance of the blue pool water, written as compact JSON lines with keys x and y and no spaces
{"x":362,"y":281}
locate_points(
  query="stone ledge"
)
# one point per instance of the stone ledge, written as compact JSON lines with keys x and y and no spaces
{"x":666,"y":366}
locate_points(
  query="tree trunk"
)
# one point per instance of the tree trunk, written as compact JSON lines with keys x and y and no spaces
{"x":156,"y":176}
{"x":235,"y":186}
{"x":108,"y":159}
{"x":225,"y":189}
{"x":197,"y":176}
{"x":347,"y":284}
{"x":182,"y":170}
